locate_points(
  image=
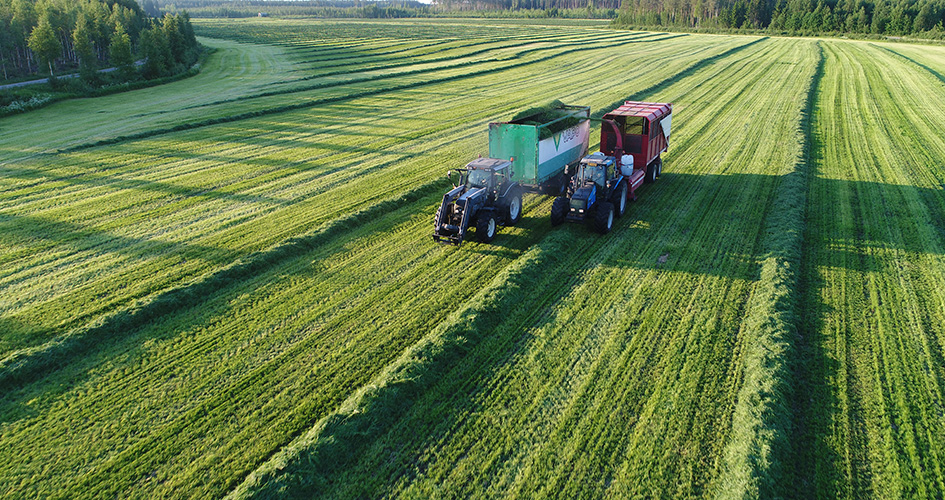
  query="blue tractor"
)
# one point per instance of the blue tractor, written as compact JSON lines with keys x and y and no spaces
{"x":597,"y":193}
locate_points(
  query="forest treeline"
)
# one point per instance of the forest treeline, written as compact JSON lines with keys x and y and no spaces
{"x":373,"y":9}
{"x":52,"y":36}
{"x":878,"y":17}
{"x":807,"y":17}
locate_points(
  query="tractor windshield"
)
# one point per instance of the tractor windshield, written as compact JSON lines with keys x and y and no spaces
{"x":593,"y":173}
{"x":478,"y":178}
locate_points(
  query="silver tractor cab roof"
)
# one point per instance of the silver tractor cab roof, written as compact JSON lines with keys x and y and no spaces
{"x":596,"y":159}
{"x":488,"y":164}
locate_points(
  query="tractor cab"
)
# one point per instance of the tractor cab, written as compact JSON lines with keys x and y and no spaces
{"x":593,"y":176}
{"x":484,"y":173}
{"x":596,"y":168}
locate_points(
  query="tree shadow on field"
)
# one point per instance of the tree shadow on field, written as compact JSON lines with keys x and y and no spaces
{"x":16,"y":230}
{"x":118,"y":182}
{"x":879,"y":227}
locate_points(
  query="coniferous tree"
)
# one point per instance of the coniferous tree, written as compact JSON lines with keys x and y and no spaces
{"x":84,"y":48}
{"x":120,"y":52}
{"x":44,"y":43}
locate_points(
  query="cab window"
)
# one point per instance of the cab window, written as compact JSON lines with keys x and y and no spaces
{"x":478,"y":179}
{"x":594,"y":173}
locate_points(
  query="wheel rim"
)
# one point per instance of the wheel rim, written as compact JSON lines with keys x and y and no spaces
{"x":491,"y":231}
{"x":610,"y":219}
{"x":514,"y":208}
{"x":623,"y":199}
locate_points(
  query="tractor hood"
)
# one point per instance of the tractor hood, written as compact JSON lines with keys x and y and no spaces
{"x":584,"y":197}
{"x":471,"y":194}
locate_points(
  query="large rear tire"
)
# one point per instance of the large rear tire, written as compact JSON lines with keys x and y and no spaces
{"x":620,"y":200}
{"x":604,"y":217}
{"x":649,"y":176}
{"x":513,"y":207}
{"x":485,"y":227}
{"x":559,"y":210}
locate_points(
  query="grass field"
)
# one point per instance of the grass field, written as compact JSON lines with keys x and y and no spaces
{"x":227,"y":286}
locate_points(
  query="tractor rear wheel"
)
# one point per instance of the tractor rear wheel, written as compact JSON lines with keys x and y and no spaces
{"x":559,"y":210}
{"x":513,"y":207}
{"x":485,"y":227}
{"x":604,"y":217}
{"x":620,"y":200}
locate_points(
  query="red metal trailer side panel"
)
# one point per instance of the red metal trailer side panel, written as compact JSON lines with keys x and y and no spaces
{"x":645,"y":135}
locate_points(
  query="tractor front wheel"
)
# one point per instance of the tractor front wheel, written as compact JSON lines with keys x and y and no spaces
{"x":604,"y":217}
{"x":485,"y":227}
{"x":559,"y":210}
{"x":620,"y":200}
{"x":513,"y":207}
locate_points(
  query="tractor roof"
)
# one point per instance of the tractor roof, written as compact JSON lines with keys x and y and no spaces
{"x":597,"y":158}
{"x":487,"y":164}
{"x":649,"y":110}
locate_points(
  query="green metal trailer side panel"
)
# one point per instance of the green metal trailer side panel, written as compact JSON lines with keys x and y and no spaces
{"x":563,"y":148}
{"x":538,"y":160}
{"x":509,"y":140}
{"x":551,"y":167}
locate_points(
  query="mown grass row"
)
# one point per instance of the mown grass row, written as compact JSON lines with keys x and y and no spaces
{"x":194,"y":400}
{"x":504,"y":49}
{"x":152,"y":188}
{"x":873,"y":371}
{"x":24,"y":364}
{"x":317,"y":94}
{"x":419,"y":67}
{"x":298,"y":167}
{"x":613,"y":374}
{"x":331,"y":31}
{"x":228,"y":73}
{"x":758,"y":454}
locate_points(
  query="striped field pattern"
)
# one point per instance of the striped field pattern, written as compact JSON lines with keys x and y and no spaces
{"x":227,"y":285}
